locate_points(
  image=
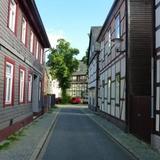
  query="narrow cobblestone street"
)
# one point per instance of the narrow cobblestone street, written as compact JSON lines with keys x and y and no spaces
{"x":75,"y":136}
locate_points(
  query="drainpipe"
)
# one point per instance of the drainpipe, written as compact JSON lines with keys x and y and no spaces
{"x":127,"y":89}
{"x":97,"y":78}
{"x":153,"y":68}
{"x":152,"y":86}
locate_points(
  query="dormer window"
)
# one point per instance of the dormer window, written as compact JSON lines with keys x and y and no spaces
{"x":12,"y":15}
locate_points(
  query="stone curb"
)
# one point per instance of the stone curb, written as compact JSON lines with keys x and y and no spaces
{"x":40,"y":145}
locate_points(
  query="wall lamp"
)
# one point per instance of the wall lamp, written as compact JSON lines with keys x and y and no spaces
{"x":118,"y":41}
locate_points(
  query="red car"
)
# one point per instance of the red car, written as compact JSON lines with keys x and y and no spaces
{"x":76,"y":100}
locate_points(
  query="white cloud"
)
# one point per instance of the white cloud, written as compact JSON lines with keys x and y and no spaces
{"x":54,"y":35}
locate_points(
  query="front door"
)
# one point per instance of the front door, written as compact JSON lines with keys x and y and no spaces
{"x":140,"y":117}
{"x":35,"y":94}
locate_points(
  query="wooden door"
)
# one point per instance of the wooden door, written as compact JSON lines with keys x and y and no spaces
{"x":140,"y":117}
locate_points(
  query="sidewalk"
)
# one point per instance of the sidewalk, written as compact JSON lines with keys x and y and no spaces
{"x":136,"y":147}
{"x":30,"y":139}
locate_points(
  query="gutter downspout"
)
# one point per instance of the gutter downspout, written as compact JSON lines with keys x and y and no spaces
{"x":97,"y":79}
{"x":127,"y":89}
{"x":153,"y":70}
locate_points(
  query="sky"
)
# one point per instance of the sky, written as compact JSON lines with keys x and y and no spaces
{"x":72,"y":20}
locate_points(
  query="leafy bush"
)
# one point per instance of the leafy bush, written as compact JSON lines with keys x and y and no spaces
{"x":66,"y":99}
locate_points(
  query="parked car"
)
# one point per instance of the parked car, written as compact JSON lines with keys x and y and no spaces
{"x":75,"y":100}
{"x":85,"y":100}
{"x":58,"y":100}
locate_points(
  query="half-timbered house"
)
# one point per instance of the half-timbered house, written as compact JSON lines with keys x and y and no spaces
{"x":79,"y":87}
{"x":93,"y":57}
{"x":124,"y":85}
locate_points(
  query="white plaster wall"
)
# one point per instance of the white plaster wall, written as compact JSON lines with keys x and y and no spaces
{"x":53,"y":88}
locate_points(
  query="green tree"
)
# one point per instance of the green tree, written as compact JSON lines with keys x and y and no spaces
{"x":62,"y":63}
{"x":85,"y":58}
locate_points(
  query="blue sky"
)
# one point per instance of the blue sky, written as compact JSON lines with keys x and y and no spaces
{"x":72,"y":19}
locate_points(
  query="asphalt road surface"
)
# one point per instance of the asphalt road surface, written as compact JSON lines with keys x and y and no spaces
{"x":76,"y":137}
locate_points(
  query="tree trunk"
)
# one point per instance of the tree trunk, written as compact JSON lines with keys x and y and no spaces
{"x":64,"y":96}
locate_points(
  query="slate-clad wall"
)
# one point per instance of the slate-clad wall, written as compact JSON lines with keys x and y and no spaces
{"x":140,"y":50}
{"x":140,"y":46}
{"x":156,"y":135}
{"x":16,"y":112}
{"x":12,"y":47}
{"x":7,"y":36}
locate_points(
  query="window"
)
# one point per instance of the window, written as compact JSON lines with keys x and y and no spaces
{"x":82,"y":78}
{"x":103,"y":92}
{"x":12,"y":15}
{"x":118,"y":88}
{"x":109,"y":90}
{"x":117,"y":27}
{"x":37,"y":50}
{"x":41,"y":56}
{"x":24,"y":24}
{"x":102,"y":51}
{"x":31,"y":42}
{"x":9,"y":83}
{"x":30,"y":79}
{"x":40,"y":89}
{"x":109,"y":40}
{"x":21,"y":85}
{"x":74,"y":78}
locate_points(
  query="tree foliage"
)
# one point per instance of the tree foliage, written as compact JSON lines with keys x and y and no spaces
{"x":85,"y":58}
{"x":62,"y":63}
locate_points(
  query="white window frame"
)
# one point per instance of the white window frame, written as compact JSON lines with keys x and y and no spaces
{"x":21,"y":85}
{"x":37,"y":49}
{"x":24,"y":30}
{"x":12,"y":15}
{"x":103,"y":90}
{"x":31,"y":41}
{"x":30,"y":82}
{"x":9,"y":88}
{"x":109,"y":90}
{"x":117,"y":27}
{"x":41,"y":56}
{"x":118,"y":82}
{"x":109,"y":40}
{"x":40,"y":90}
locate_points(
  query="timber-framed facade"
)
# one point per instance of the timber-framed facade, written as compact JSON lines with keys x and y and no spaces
{"x":124,"y":80}
{"x":93,"y":58}
{"x":79,"y":84}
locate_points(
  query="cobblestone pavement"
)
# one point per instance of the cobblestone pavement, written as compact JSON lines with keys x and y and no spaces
{"x":24,"y":148}
{"x":135,"y":146}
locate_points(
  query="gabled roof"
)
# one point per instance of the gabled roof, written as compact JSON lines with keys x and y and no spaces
{"x":82,"y":69}
{"x":94,"y":32}
{"x":31,"y":12}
